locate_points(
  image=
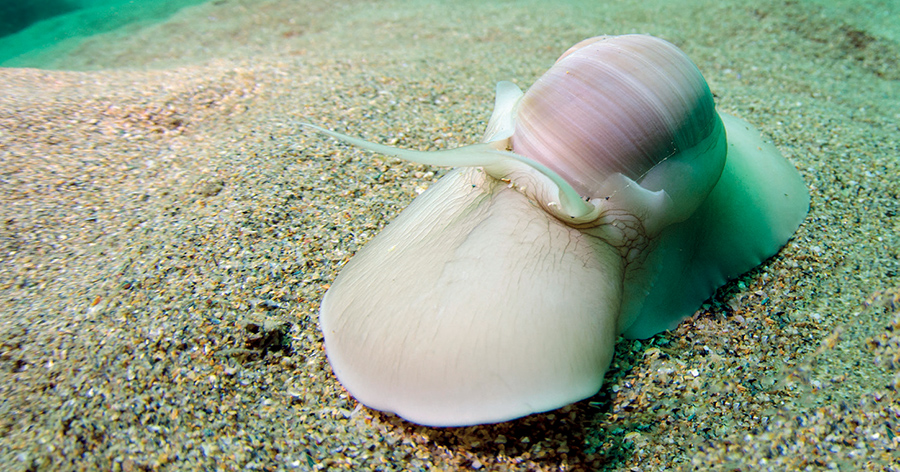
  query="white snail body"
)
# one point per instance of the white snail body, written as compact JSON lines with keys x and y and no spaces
{"x":610,"y":198}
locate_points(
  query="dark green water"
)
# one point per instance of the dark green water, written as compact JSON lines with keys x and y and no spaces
{"x":16,"y":16}
{"x":28,"y":26}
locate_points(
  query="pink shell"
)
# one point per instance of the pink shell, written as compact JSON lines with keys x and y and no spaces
{"x":613,"y":104}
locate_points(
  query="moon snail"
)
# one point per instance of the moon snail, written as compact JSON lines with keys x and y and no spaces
{"x":610,"y":198}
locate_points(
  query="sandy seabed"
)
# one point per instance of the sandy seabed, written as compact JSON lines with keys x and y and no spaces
{"x":167,"y":232}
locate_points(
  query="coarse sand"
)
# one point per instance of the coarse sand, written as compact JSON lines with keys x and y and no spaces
{"x":167,"y":231}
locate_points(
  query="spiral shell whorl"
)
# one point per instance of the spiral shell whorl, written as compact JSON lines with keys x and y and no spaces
{"x":612,"y":105}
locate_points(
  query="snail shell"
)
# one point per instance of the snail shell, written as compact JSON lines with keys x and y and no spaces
{"x":614,"y":105}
